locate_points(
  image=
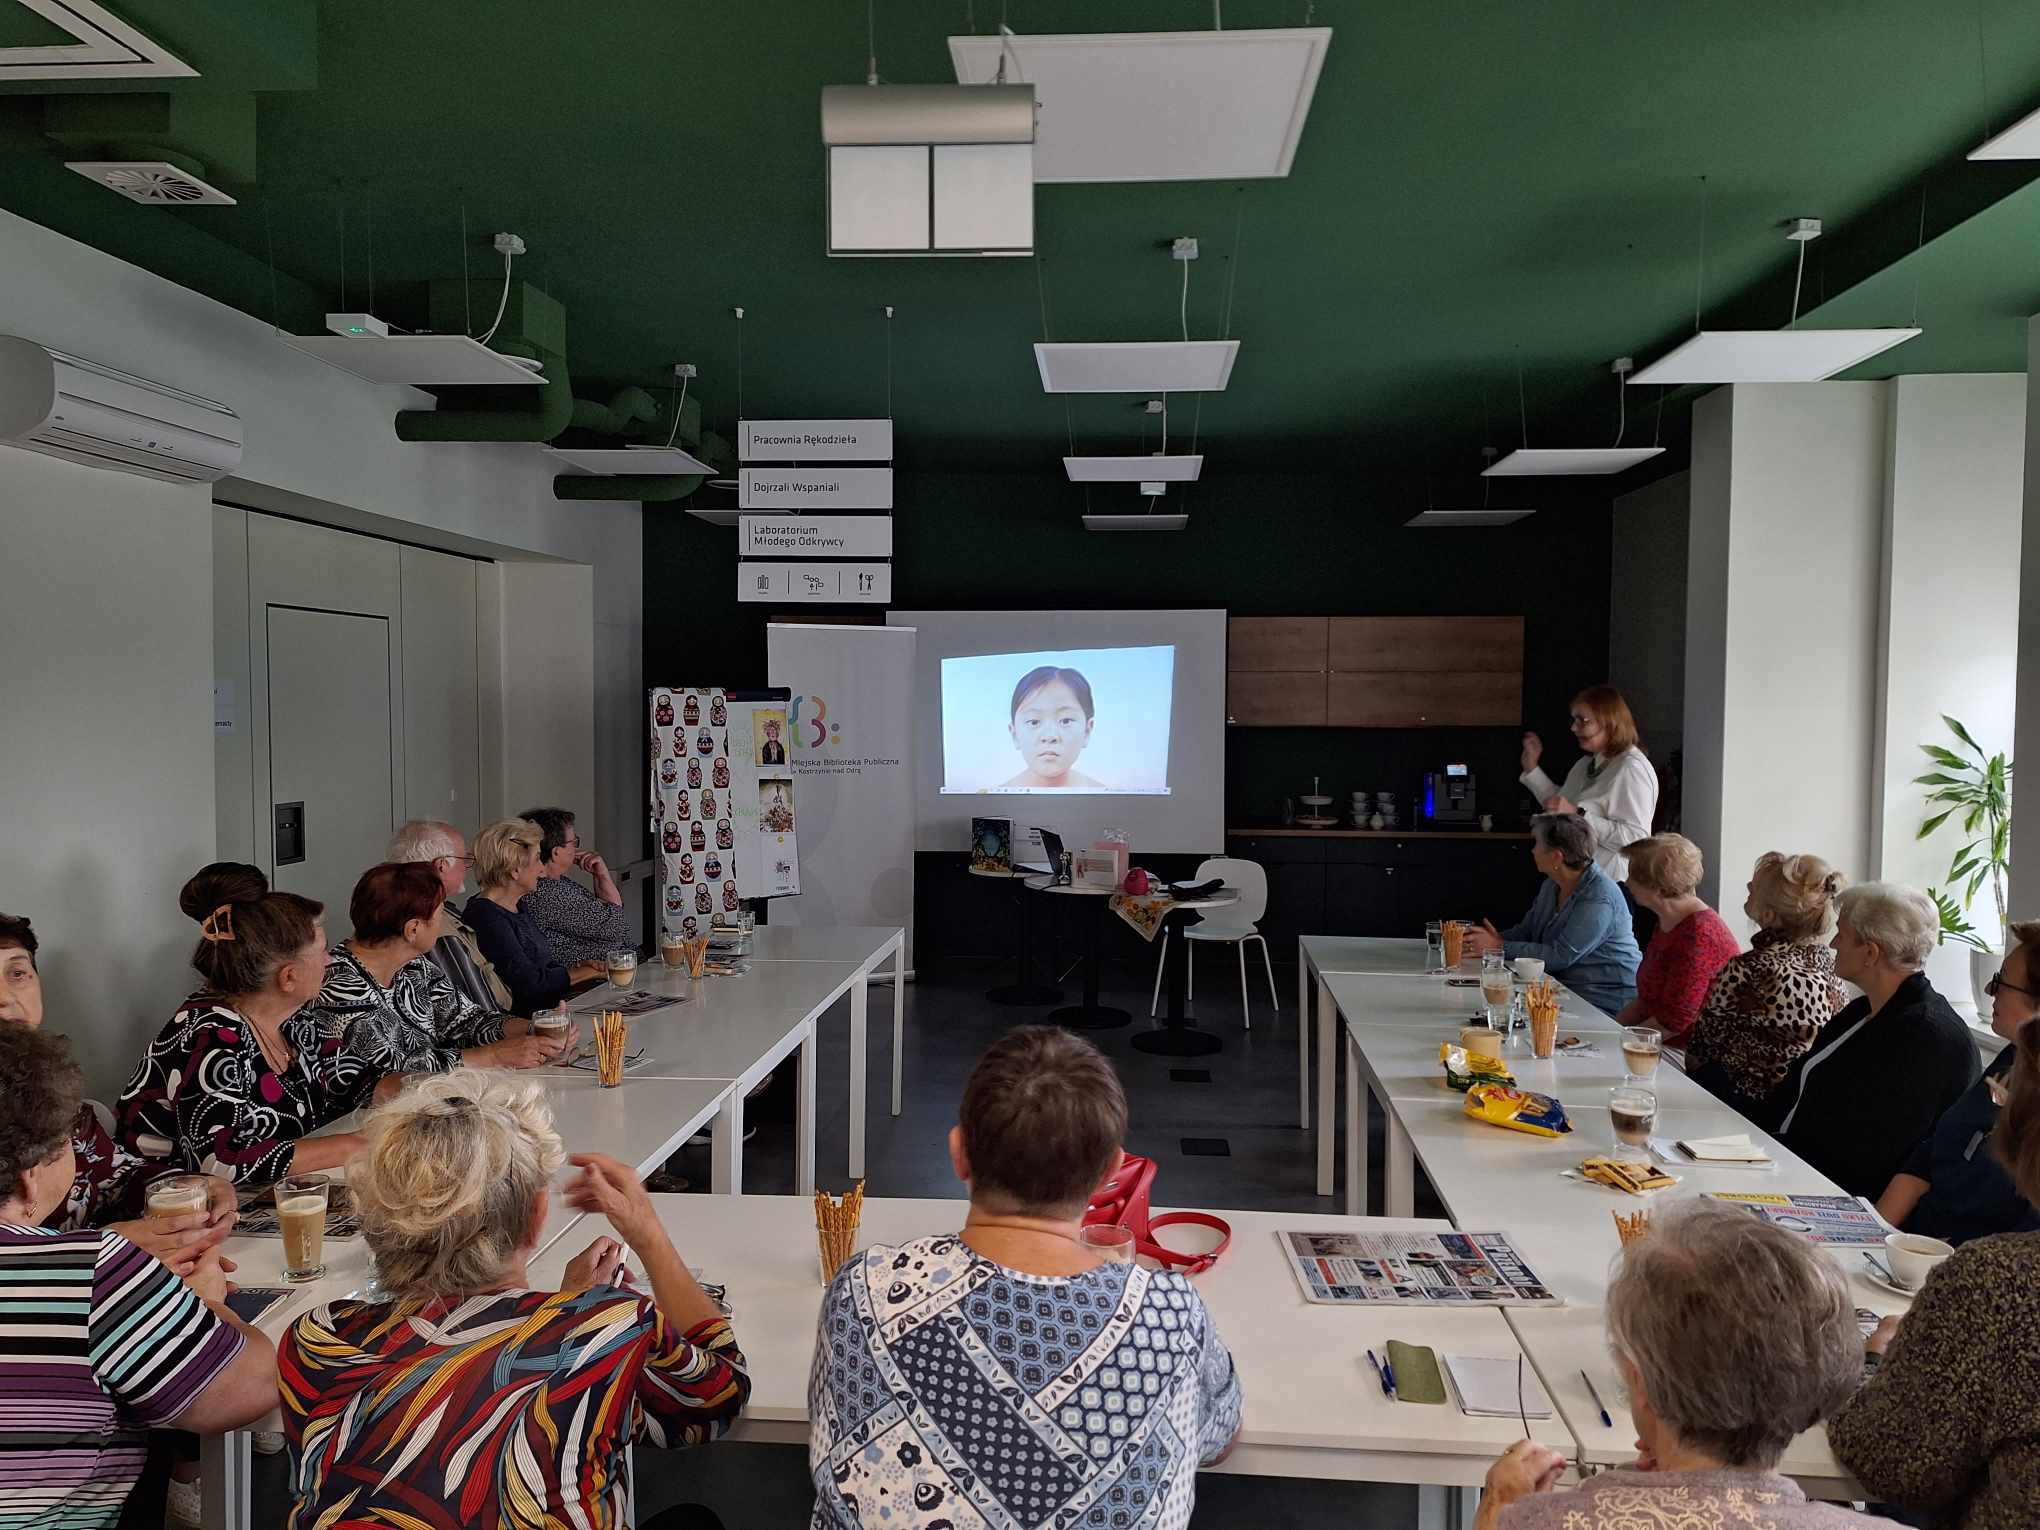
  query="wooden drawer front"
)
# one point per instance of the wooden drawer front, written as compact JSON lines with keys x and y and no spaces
{"x":1264,"y":643}
{"x":1491,"y":644}
{"x":1402,"y":700}
{"x":1275,"y":700}
{"x":1273,"y":848}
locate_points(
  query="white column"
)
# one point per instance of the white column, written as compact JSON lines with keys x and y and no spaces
{"x":2025,"y":900}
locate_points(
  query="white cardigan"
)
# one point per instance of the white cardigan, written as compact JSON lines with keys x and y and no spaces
{"x":1618,"y":803}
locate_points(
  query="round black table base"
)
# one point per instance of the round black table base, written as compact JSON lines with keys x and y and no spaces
{"x":1178,"y":1042}
{"x":1024,"y":995}
{"x":1089,"y":1017}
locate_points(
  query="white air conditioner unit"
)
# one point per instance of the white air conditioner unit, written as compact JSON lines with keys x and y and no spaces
{"x":67,"y":407}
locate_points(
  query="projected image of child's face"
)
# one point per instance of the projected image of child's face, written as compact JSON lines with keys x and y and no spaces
{"x":1050,"y":729}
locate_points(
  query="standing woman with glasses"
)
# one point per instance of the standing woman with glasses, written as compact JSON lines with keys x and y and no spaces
{"x":1613,"y":785}
{"x":1953,"y":1186}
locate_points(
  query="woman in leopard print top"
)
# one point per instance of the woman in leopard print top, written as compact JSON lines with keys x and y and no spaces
{"x":1766,"y":1006}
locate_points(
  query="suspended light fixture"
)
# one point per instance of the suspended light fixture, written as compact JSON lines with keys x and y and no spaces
{"x":1527,"y":461}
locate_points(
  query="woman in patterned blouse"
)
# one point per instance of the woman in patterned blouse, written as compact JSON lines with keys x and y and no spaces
{"x":107,"y":1181}
{"x":1767,"y":1005}
{"x":239,"y":1080}
{"x":393,"y":1005}
{"x":468,"y":1397}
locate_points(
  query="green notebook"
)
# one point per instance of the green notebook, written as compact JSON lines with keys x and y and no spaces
{"x":1416,"y":1372}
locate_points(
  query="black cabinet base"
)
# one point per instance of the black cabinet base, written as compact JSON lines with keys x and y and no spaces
{"x":1089,"y":1017}
{"x":1025,"y":995}
{"x":1178,"y":1042}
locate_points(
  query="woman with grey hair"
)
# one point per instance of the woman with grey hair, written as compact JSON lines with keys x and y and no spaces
{"x":534,"y":1394}
{"x":1731,"y":1336}
{"x":1881,"y":1072}
{"x":1578,"y":926}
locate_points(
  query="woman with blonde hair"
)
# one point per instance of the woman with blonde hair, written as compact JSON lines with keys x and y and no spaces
{"x":466,"y":1396}
{"x":508,"y":867}
{"x":1613,"y":785}
{"x":1691,"y":945}
{"x":1765,"y":1006}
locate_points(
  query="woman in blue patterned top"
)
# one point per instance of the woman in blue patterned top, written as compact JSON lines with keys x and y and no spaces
{"x":1004,"y":1374}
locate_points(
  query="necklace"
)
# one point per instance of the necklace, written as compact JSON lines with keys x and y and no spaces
{"x":278,"y":1054}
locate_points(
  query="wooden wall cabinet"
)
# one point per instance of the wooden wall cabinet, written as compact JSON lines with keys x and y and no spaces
{"x":1375,"y":671}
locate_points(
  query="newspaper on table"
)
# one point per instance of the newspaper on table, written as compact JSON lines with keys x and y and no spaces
{"x":1463,"y":1269}
{"x":1832,"y":1221}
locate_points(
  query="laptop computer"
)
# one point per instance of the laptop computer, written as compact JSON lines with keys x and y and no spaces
{"x":1052,"y":846}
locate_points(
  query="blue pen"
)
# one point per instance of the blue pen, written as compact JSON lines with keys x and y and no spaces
{"x":1384,"y":1375}
{"x":1594,"y":1392}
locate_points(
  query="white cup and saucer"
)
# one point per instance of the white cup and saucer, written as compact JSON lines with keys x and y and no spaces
{"x":1911,"y":1258}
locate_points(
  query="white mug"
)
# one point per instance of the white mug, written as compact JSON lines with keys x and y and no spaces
{"x":1529,"y":968}
{"x":1912,"y":1257}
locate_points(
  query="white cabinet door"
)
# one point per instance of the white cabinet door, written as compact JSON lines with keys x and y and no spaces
{"x":330,"y":750}
{"x":442,"y":725}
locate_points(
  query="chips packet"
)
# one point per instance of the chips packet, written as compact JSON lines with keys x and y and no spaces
{"x":1519,"y":1110}
{"x":1464,"y":1069}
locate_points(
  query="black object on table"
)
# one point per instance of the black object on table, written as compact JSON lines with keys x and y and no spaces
{"x":1089,"y":1015}
{"x":1179,"y":1038}
{"x":1023,"y":990}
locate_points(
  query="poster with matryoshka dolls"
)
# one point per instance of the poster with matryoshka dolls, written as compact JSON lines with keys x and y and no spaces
{"x":689,"y":749}
{"x":706,"y":802}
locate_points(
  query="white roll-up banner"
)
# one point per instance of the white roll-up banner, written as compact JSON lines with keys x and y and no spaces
{"x":851,"y":757}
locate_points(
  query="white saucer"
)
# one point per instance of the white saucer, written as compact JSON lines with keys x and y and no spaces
{"x":1863,"y":1268}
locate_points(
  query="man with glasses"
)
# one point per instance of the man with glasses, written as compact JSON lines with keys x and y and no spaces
{"x":459,"y":957}
{"x":582,"y":926}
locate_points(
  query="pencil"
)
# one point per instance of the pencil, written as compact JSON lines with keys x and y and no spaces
{"x":1593,"y":1392}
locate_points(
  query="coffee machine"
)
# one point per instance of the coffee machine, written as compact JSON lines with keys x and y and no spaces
{"x":1448,"y":795}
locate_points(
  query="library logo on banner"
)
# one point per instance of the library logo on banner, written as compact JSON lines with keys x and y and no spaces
{"x":828,"y":732}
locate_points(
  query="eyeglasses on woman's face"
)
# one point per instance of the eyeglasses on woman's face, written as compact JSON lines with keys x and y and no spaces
{"x":1998,"y":981}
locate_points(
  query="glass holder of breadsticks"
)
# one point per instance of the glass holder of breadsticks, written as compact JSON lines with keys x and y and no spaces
{"x":612,"y":1043}
{"x":1540,"y":1000}
{"x":836,"y":1223}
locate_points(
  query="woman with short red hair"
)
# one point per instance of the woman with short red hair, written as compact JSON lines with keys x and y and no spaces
{"x":392,"y":1003}
{"x":1613,"y":785}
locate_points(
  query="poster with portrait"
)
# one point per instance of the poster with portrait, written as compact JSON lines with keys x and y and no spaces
{"x":769,"y":737}
{"x":759,"y":805}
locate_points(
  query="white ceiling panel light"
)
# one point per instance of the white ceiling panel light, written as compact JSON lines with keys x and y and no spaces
{"x":1154,"y":469}
{"x":1770,"y":355}
{"x":1141,"y":522}
{"x":1136,"y":366}
{"x":2019,"y":141}
{"x":1464,"y":518}
{"x":422,"y":361}
{"x":1790,"y":354}
{"x":929,"y":169}
{"x":614,"y":461}
{"x":104,"y":48}
{"x":1527,"y":461}
{"x":1158,"y":106}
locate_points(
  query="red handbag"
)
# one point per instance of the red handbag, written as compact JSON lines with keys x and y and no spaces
{"x":1124,"y":1201}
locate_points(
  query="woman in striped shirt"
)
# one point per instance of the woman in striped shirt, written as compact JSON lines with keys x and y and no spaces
{"x":99,"y":1342}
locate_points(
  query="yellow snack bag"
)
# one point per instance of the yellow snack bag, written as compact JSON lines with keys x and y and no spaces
{"x":1517,"y":1109}
{"x":1463,"y":1069}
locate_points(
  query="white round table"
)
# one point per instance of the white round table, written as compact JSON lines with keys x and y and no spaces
{"x":1023,"y":991}
{"x":1089,"y":1015}
{"x":1178,"y":1037}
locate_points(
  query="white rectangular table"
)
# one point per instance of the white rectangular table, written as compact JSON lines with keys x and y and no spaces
{"x":1317,"y":957}
{"x":642,"y":1126}
{"x":1312,"y":1406}
{"x":868,"y":946}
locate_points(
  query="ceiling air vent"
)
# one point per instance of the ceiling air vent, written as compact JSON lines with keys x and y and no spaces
{"x":152,"y":182}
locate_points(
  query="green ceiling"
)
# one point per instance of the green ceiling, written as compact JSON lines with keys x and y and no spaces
{"x":1481,"y":183}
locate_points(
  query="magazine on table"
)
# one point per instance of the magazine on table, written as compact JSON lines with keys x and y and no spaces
{"x":1833,"y":1221}
{"x":1474,"y":1269}
{"x":639,"y":1003}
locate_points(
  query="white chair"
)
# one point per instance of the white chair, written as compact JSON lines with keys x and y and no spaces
{"x":1232,"y":925}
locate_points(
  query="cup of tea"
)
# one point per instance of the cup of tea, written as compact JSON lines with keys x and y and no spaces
{"x":301,"y":1216}
{"x":1912,"y":1257}
{"x":1529,"y":969}
{"x":1632,"y":1113}
{"x":622,"y":968}
{"x":1642,"y":1046}
{"x":177,"y":1195}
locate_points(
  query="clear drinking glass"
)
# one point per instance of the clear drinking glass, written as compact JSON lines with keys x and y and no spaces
{"x":1642,"y":1045}
{"x":1497,"y":989}
{"x":1434,"y":948}
{"x":178,"y":1195}
{"x":622,"y":968}
{"x":301,"y":1217}
{"x":1632,"y":1113}
{"x":1109,"y":1241}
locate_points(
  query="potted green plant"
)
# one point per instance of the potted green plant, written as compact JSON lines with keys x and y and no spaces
{"x":1977,"y":788}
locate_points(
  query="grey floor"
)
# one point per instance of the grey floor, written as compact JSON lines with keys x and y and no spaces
{"x":1249,"y":1104}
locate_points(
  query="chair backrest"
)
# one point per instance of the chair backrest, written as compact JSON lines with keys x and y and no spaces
{"x":1245,"y":878}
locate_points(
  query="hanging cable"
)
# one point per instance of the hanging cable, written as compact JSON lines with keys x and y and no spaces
{"x":1700,"y":276}
{"x":888,"y":361}
{"x":1798,"y":276}
{"x":371,"y":250}
{"x":1622,"y":393}
{"x":1041,"y":291}
{"x":502,"y":303}
{"x":1165,"y":424}
{"x":1522,"y":406}
{"x":467,"y":326}
{"x":1919,"y":244}
{"x":1657,"y":436}
{"x":740,"y":366}
{"x":1183,"y":306}
{"x":1232,"y":266}
{"x":343,"y":255}
{"x":269,"y":239}
{"x":871,"y":42}
{"x":1217,"y":16}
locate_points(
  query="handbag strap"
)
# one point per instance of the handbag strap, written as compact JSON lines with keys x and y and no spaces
{"x":1181,"y":1263}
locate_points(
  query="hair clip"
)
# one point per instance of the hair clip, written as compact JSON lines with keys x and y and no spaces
{"x":218,"y":925}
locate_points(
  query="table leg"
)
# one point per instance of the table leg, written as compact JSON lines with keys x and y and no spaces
{"x":1302,"y":1039}
{"x":1445,"y":1508}
{"x":1023,"y":990}
{"x":804,"y":1110}
{"x":1179,"y":1038}
{"x":726,"y":1146}
{"x":899,"y":1021}
{"x":1356,"y":1134}
{"x":225,"y":1468}
{"x":1091,"y":1015}
{"x":1399,"y":1188}
{"x":1327,"y":1085}
{"x":860,"y":1004}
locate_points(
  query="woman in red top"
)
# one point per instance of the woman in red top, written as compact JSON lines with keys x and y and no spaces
{"x":1692,"y":942}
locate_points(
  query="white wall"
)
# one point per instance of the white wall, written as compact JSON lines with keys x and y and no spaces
{"x":1783,"y":604}
{"x":1646,"y":606}
{"x":2026,"y":849}
{"x":1955,"y":457}
{"x":321,"y":447}
{"x":106,"y":755}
